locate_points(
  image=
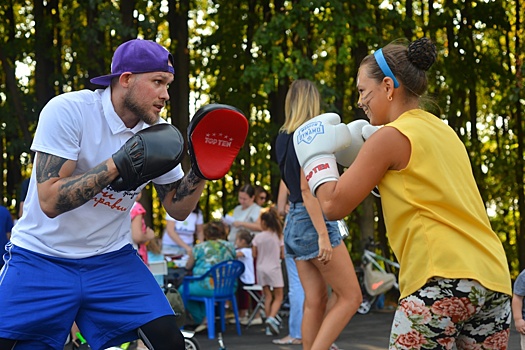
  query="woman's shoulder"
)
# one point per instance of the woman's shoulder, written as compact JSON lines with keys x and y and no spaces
{"x":282,"y":137}
{"x":225,"y":249}
{"x":218,"y":243}
{"x":256,"y":207}
{"x":226,"y":243}
{"x":201,"y":245}
{"x":408,"y":117}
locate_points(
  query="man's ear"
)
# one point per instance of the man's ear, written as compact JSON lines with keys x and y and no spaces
{"x":125,"y":78}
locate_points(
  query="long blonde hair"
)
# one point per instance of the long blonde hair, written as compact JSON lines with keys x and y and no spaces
{"x":303,"y":102}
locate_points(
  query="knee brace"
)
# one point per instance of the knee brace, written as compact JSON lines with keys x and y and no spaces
{"x":162,"y":334}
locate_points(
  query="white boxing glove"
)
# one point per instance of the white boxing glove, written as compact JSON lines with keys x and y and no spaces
{"x":315,"y":143}
{"x":360,"y":131}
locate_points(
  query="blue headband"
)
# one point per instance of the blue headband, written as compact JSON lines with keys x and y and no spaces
{"x":380,"y":59}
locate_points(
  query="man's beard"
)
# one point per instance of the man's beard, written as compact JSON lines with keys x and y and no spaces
{"x":132,"y":106}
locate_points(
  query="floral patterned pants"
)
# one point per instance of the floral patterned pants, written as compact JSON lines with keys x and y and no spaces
{"x":448,"y":312}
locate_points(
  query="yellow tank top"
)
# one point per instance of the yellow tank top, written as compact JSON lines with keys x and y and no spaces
{"x":435,"y":218}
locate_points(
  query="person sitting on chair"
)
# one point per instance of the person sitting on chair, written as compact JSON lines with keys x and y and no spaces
{"x":213,"y":250}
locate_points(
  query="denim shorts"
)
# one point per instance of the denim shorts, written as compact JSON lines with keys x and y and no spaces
{"x":301,"y":240}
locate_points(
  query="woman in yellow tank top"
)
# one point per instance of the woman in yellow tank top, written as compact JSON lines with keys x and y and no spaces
{"x":454,"y":279}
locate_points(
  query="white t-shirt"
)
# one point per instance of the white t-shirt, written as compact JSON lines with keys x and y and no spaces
{"x":81,"y":126}
{"x":185,"y":229}
{"x":248,"y":276}
{"x":250,"y":214}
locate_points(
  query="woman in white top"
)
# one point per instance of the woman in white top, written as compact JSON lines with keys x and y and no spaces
{"x":179,"y":236}
{"x":246,"y":214}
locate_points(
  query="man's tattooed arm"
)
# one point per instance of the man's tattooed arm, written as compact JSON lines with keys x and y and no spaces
{"x":60,"y":192}
{"x":179,"y":198}
{"x":163,"y":190}
{"x":190,"y":183}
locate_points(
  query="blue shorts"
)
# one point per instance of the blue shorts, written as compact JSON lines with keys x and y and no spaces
{"x":301,"y":240}
{"x":109,"y":296}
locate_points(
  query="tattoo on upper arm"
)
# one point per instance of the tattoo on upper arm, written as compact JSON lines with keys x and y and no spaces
{"x":48,"y":166}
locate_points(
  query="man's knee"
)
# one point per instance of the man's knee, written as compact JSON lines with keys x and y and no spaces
{"x":162,"y":334}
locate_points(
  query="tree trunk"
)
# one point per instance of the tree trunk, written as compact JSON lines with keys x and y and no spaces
{"x":180,"y":89}
{"x":520,"y":163}
{"x":45,"y":21}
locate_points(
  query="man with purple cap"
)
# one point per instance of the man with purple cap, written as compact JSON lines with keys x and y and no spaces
{"x":70,"y":257}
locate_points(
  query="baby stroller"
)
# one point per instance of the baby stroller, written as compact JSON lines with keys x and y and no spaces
{"x":373,"y":283}
{"x":374,"y":279}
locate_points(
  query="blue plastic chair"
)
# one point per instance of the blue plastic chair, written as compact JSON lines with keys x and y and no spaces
{"x":225,"y":275}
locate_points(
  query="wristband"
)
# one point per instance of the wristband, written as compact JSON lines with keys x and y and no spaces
{"x":320,"y":170}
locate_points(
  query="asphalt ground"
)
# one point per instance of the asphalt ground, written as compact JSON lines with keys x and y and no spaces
{"x":364,"y":332}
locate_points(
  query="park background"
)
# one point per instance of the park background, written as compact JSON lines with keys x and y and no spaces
{"x":246,"y":53}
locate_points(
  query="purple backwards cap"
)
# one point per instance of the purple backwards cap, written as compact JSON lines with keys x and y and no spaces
{"x":137,"y":56}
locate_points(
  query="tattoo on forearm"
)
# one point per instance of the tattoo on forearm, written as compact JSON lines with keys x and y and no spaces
{"x":73,"y":191}
{"x":80,"y":189}
{"x":187,"y":186}
{"x":162,"y":190}
{"x":183,"y":187}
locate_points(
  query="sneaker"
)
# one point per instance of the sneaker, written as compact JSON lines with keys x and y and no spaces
{"x":201,"y":327}
{"x":268,"y":331}
{"x":273,"y":324}
{"x":255,"y":321}
{"x":243,"y":320}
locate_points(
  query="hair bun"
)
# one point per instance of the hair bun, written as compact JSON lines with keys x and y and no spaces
{"x":422,"y":53}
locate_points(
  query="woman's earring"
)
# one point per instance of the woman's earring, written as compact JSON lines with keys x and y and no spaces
{"x":390,"y":98}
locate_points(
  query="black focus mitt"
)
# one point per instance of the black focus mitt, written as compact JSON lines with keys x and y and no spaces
{"x":148,"y":154}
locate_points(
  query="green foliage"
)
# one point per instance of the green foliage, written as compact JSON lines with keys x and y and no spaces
{"x":246,"y":53}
